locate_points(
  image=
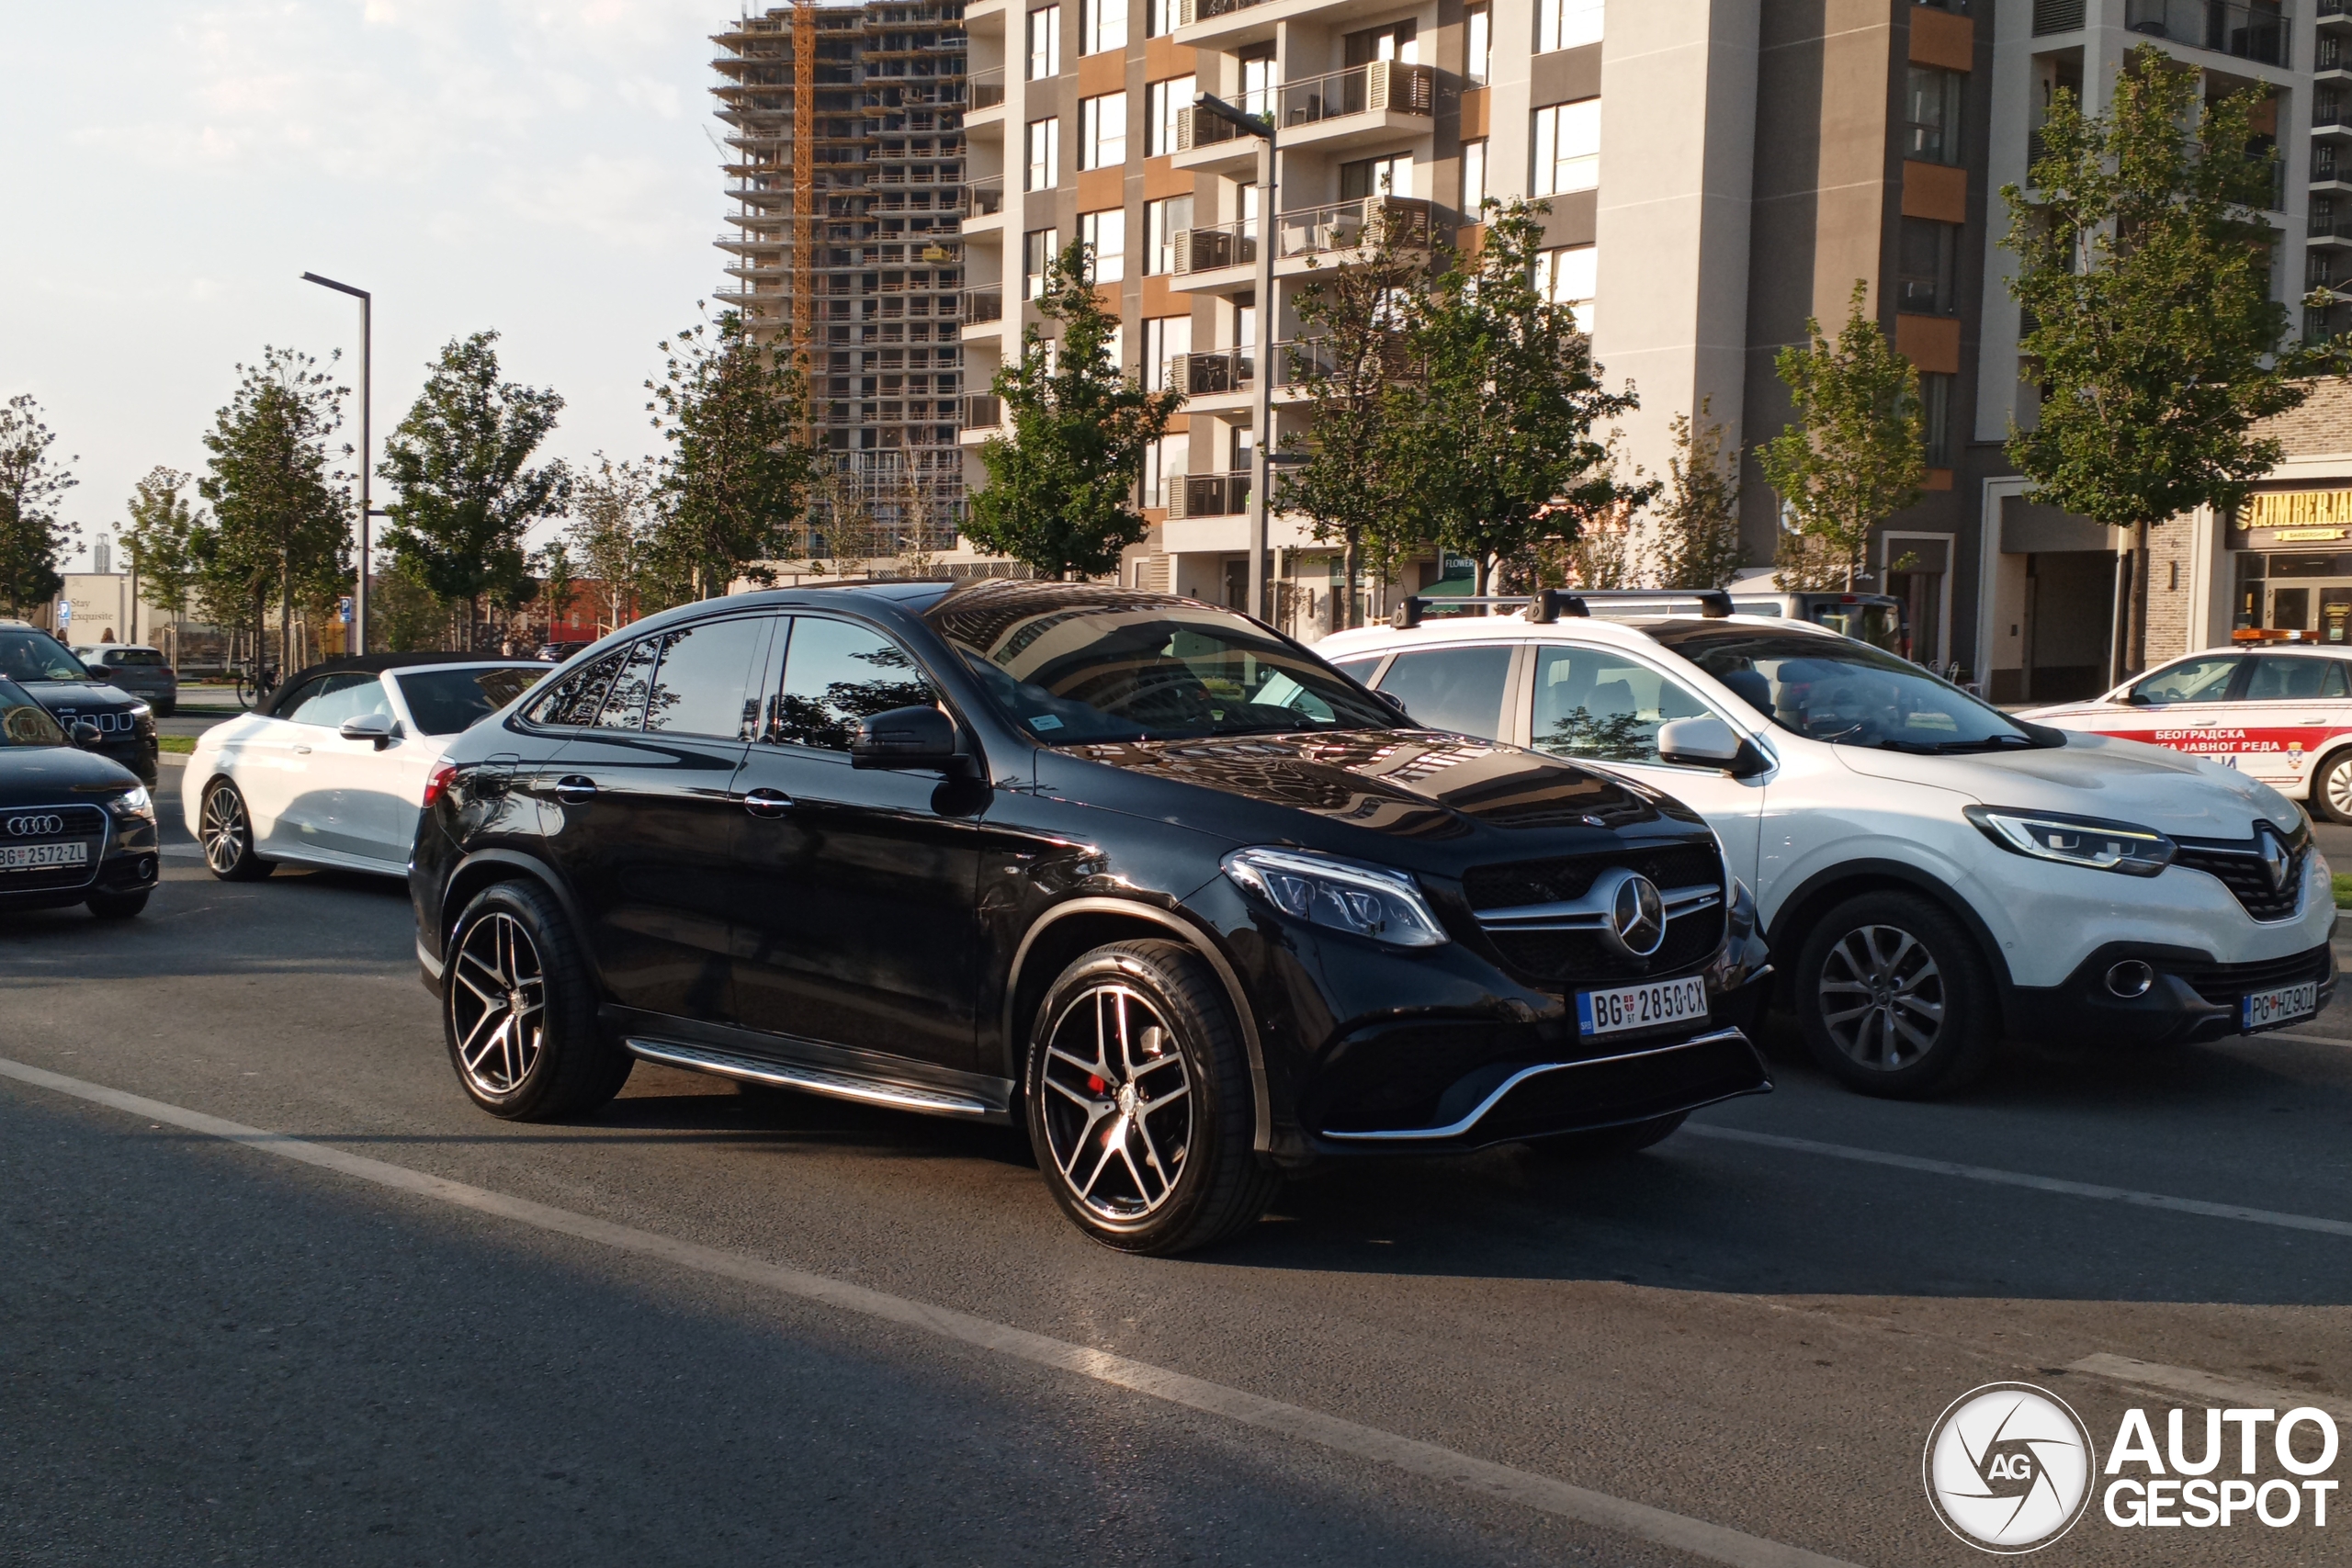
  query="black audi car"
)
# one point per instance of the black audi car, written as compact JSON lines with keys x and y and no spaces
{"x":1128,"y":870}
{"x":74,"y":826}
{"x":48,"y":671}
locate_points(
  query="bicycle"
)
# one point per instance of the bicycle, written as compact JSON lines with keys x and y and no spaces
{"x":255,"y":683}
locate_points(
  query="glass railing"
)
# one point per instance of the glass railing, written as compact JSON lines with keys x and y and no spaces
{"x":984,"y":304}
{"x":1209,"y":495}
{"x":1383,"y":85}
{"x":988,"y":196}
{"x":2250,"y":32}
{"x":982,"y":410}
{"x":1202,"y":375}
{"x":986,"y":88}
{"x":1312,"y":231}
{"x":1190,"y":11}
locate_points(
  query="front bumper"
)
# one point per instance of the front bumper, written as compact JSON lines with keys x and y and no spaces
{"x":2192,"y":999}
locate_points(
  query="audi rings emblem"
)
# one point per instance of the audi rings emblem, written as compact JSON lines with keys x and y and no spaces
{"x":40,"y":827}
{"x":1633,"y":920}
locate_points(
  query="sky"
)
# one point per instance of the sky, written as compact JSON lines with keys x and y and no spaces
{"x":545,"y":168}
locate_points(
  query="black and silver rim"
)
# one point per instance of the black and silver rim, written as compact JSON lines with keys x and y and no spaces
{"x":1882,"y":997}
{"x":1117,"y":1103}
{"x":224,"y":831}
{"x":499,"y":1005}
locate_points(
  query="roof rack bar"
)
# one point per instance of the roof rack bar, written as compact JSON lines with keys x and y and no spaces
{"x":1714,"y":603}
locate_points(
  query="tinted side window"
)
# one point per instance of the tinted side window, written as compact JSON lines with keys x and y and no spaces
{"x":625,"y":703}
{"x":332,"y":699}
{"x":1593,"y":704}
{"x":2276,"y":680}
{"x":1357,"y":669}
{"x":704,"y":685}
{"x":2190,"y":680}
{"x":1459,"y":689}
{"x":444,"y":702}
{"x":576,"y":697}
{"x":836,"y":673}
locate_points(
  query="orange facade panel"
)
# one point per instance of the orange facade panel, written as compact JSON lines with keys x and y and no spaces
{"x":1104,"y":72}
{"x":1101,"y":188}
{"x":1935,"y":190}
{"x":1475,"y":113}
{"x":1930,"y":343}
{"x":1163,"y":59}
{"x":1938,"y":37}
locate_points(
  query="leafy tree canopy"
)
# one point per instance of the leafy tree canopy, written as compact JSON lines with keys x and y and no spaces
{"x":281,"y":513}
{"x":33,"y":538}
{"x":733,"y":410}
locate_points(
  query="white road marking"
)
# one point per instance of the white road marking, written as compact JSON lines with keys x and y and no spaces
{"x":2205,"y":1387}
{"x":2018,"y":1179}
{"x":193,"y":851}
{"x":2309,"y":1039}
{"x":1698,"y":1537}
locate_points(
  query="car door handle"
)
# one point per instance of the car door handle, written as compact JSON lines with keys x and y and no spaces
{"x":767,"y":803}
{"x":573,"y":790}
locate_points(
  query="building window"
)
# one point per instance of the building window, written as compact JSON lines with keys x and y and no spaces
{"x":1158,"y":17}
{"x":1390,"y":175}
{"x":1570,"y":275}
{"x":1567,"y":147}
{"x":1923,"y":270}
{"x":1473,"y":178}
{"x":1045,"y":42}
{"x":1105,"y":233}
{"x":1398,"y":41}
{"x":1163,"y":336}
{"x":1479,"y":23}
{"x":1935,"y":417}
{"x":1257,"y":78}
{"x":1038,"y":248}
{"x":1931,"y":100}
{"x":1044,"y":154}
{"x":1161,"y":102}
{"x":1101,"y":25}
{"x":1565,"y":24}
{"x":1102,"y":131}
{"x":1162,"y":221}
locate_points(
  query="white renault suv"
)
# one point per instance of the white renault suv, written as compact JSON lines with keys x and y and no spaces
{"x":1932,"y":876}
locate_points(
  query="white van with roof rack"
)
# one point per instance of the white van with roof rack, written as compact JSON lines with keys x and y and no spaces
{"x":1933,"y":874}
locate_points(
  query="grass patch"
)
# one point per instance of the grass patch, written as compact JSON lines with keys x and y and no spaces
{"x":2344,"y":891}
{"x":184,"y":744}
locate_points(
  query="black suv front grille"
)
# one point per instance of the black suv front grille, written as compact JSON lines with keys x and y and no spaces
{"x":1575,"y":957}
{"x":2244,"y":873}
{"x":1555,"y":880}
{"x":1558,"y":958}
{"x":2224,"y":984}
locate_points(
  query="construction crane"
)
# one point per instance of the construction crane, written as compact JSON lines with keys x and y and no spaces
{"x":804,"y":181}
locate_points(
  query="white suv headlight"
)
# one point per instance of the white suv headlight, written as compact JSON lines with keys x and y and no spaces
{"x":2074,"y":841}
{"x":1366,"y":900}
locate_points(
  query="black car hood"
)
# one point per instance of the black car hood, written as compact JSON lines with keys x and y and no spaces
{"x":49,"y":776}
{"x":1411,"y":785}
{"x":83,"y":696}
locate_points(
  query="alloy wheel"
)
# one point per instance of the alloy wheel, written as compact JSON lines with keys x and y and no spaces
{"x":2338,"y":789}
{"x":1118,"y":1111}
{"x":224,"y":831}
{"x":499,"y":1005}
{"x":1882,"y":997}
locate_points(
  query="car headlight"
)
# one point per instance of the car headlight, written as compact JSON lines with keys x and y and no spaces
{"x":2074,"y":841}
{"x":1366,"y":900}
{"x":142,"y":710}
{"x":133,"y":803}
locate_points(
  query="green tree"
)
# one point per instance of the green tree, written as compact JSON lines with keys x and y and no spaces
{"x":2143,"y":268}
{"x":1497,"y":444}
{"x":461,"y":463}
{"x":1696,"y":517}
{"x":559,"y":582}
{"x":1347,"y":364}
{"x":737,"y":475}
{"x":33,"y":538}
{"x":1060,"y":489}
{"x":617,"y":512}
{"x":161,"y":540}
{"x":281,"y":513}
{"x":1856,"y":453}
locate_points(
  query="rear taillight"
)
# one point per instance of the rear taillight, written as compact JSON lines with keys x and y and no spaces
{"x":437,"y":783}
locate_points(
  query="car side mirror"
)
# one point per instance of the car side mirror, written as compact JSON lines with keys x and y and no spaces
{"x":87,"y":736}
{"x":1708,"y":742}
{"x":1394,"y":701}
{"x":2138,"y":701}
{"x":914,"y":738}
{"x":376,"y":726}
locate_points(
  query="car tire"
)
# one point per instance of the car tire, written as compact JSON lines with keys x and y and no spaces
{"x":225,"y":833}
{"x":2332,"y":788}
{"x":519,"y":1012}
{"x":118,"y":906}
{"x":1894,"y":999}
{"x":1608,"y":1143}
{"x":1139,"y":1039}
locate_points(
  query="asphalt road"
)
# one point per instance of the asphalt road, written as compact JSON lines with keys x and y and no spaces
{"x":729,"y":1331}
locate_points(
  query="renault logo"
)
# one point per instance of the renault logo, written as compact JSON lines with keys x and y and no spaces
{"x":35,"y":827}
{"x":2276,"y":860}
{"x":1635,"y":917}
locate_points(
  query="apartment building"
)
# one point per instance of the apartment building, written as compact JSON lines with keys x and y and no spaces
{"x":1717,"y":171}
{"x":845,"y":170}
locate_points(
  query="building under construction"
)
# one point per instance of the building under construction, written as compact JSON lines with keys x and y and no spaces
{"x":846,"y":170}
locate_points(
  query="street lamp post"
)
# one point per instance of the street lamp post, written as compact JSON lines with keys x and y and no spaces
{"x":1262,"y":405}
{"x":359,"y":641}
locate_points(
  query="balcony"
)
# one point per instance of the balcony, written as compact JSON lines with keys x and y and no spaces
{"x":983,"y":411}
{"x":1309,"y":231}
{"x":986,"y":196}
{"x":2057,"y":16}
{"x":1209,"y":495}
{"x":2334,"y":10}
{"x":983,"y":305}
{"x":1210,"y":374}
{"x":986,"y":88}
{"x":2256,"y":32}
{"x":1381,"y":87}
{"x":2331,"y":230}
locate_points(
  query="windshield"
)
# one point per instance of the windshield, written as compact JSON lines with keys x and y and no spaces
{"x":24,"y":722}
{"x":444,"y":702}
{"x":1837,"y":690}
{"x":29,"y":655}
{"x":1079,"y":666}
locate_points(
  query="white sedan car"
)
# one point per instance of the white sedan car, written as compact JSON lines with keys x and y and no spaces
{"x":333,"y":771}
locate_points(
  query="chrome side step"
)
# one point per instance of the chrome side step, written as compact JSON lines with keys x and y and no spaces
{"x":810,"y":1080}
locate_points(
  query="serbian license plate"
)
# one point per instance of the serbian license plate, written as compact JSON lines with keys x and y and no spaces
{"x":39,"y":857}
{"x":2269,"y":1009}
{"x":1643,"y":1006}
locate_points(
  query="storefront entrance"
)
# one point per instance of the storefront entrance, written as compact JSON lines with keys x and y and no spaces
{"x":2307,"y":591}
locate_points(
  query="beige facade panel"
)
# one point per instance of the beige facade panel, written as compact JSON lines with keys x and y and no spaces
{"x":1564,"y":76}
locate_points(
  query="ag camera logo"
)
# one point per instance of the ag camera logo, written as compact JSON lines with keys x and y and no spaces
{"x":2008,"y":1468}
